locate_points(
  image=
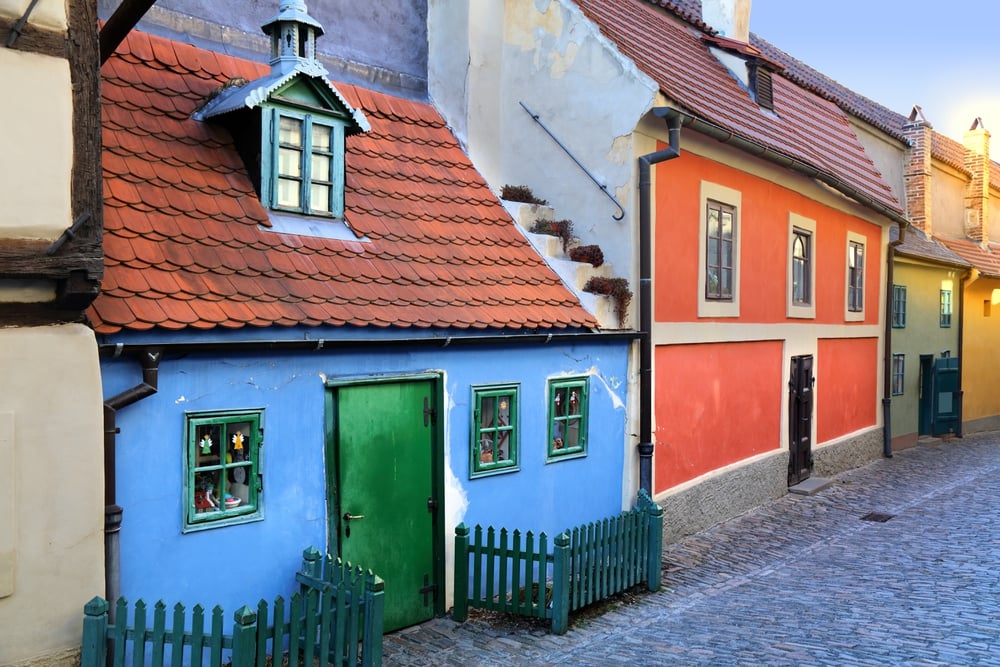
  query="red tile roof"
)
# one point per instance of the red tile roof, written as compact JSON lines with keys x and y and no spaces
{"x":186,"y":238}
{"x":985,"y":259}
{"x":803,"y":126}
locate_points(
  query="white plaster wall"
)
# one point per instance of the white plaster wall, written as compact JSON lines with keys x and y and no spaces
{"x":51,"y":489}
{"x":49,"y":14}
{"x":37,"y":145}
{"x":545,"y":54}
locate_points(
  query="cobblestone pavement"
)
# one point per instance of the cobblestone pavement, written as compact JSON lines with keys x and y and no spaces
{"x":802,"y":580}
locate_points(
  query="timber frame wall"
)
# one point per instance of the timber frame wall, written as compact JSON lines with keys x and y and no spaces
{"x":74,"y":262}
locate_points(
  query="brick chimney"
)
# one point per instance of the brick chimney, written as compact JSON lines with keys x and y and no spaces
{"x":917,"y":172}
{"x":977,"y":192}
{"x":730,"y":17}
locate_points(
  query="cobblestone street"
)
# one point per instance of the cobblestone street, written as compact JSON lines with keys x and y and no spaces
{"x":803,"y":580}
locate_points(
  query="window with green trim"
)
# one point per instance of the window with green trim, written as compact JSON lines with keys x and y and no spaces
{"x":222,"y":467}
{"x":568,"y":407}
{"x":945,"y":320}
{"x":898,"y":306}
{"x":898,"y":373}
{"x":494,"y":430}
{"x":306,"y":164}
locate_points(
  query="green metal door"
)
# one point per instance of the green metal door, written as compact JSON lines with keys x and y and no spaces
{"x":947,"y":398}
{"x":383,"y":503}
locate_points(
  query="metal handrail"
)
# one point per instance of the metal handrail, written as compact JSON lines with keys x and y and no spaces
{"x":603,"y":187}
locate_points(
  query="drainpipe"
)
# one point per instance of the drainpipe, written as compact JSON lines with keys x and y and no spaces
{"x":150,"y":361}
{"x":887,"y":343}
{"x":673,"y":150}
{"x":963,"y":284}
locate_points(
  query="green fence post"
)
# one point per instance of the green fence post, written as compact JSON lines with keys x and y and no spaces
{"x":371,"y":643}
{"x":460,"y":611}
{"x":312,"y":563}
{"x":244,"y":637}
{"x":560,"y":584}
{"x":95,"y":625}
{"x":654,"y":555}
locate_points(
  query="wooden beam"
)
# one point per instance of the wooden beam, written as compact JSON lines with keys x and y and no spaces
{"x":120,"y":24}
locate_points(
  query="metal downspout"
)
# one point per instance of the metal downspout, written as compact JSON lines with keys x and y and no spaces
{"x":963,"y":283}
{"x":150,"y":361}
{"x":673,"y":150}
{"x":887,"y":352}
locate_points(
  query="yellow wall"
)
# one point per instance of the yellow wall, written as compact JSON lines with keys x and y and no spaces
{"x":51,"y":488}
{"x":981,"y":362}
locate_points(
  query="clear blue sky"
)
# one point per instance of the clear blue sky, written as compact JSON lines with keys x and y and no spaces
{"x":940,"y":55}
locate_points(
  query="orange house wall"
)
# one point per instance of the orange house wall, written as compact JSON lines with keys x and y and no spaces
{"x":846,"y":382}
{"x":763,"y":229}
{"x":716,"y":404}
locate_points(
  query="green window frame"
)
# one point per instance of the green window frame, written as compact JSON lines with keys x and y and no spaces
{"x":945,"y":319}
{"x":898,"y":373}
{"x":493,"y":444}
{"x":304,"y":170}
{"x":569,"y":406}
{"x":222,"y":470}
{"x":898,"y":307}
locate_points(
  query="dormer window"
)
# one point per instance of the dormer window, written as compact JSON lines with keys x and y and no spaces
{"x":289,"y":127}
{"x":761,"y":85}
{"x":307,"y":164}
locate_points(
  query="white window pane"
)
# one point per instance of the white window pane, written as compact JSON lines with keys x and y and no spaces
{"x":321,"y":138}
{"x":290,"y":131}
{"x":289,"y":162}
{"x":319,"y":198}
{"x":321,"y":168}
{"x":288,"y":193}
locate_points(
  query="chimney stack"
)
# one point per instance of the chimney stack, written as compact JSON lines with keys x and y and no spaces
{"x":917,"y":174}
{"x":977,"y":193}
{"x":730,"y":17}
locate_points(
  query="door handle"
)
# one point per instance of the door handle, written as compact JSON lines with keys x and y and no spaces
{"x":352,"y":517}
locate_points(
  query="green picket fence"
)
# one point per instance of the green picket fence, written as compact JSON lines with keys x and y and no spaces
{"x":587,"y":564}
{"x":335,"y":619}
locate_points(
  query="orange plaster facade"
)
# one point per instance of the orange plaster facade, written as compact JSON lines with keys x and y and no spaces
{"x":716,"y":404}
{"x":845,"y":386}
{"x":721,"y":402}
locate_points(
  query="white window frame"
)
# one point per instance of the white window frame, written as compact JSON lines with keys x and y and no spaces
{"x":855,"y":315}
{"x":798,"y":223}
{"x":729,"y":197}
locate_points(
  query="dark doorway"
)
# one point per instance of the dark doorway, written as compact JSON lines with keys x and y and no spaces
{"x":800,"y":404}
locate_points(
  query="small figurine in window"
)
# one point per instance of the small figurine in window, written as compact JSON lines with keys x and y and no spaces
{"x":238,"y":440}
{"x":203,"y":499}
{"x":206,"y":444}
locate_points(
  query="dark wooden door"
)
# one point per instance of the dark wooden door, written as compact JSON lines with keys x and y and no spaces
{"x":800,"y":404}
{"x":925,"y":404}
{"x":383,"y":507}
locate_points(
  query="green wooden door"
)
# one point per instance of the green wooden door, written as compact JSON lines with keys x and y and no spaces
{"x":384,"y":495}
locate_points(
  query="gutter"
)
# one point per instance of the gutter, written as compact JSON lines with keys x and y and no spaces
{"x":673,"y":150}
{"x":887,"y":347}
{"x":149,"y":359}
{"x":316,"y":344}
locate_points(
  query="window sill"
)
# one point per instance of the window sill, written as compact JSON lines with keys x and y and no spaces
{"x":225,"y":519}
{"x":491,"y":472}
{"x":566,"y":456}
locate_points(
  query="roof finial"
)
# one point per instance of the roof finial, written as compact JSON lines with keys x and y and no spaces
{"x":293,"y":35}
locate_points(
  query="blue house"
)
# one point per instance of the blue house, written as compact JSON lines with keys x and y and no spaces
{"x":319,"y":326}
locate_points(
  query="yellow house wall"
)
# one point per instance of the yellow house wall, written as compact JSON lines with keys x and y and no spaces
{"x":922,"y":333}
{"x":981,"y":365}
{"x":51,"y":489}
{"x":50,"y":14}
